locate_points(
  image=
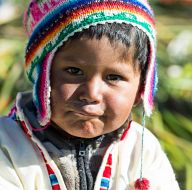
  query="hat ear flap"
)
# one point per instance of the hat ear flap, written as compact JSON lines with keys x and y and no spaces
{"x":42,"y":89}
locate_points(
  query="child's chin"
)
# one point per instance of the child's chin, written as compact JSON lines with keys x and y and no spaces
{"x":88,"y":129}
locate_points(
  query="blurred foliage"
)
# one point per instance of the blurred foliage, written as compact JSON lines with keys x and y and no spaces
{"x":12,"y":45}
{"x":172,"y":118}
{"x":172,"y":121}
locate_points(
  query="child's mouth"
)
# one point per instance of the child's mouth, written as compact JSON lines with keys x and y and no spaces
{"x":87,"y":111}
{"x":86,"y":115}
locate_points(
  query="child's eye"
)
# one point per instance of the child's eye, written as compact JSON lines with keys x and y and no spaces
{"x":74,"y":71}
{"x":114,"y":78}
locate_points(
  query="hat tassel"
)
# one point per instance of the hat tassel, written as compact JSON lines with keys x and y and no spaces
{"x":142,"y":183}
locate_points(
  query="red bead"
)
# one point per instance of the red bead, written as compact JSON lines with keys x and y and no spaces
{"x":142,"y":184}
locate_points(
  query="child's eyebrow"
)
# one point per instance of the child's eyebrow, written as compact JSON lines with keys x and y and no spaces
{"x":119,"y":65}
{"x":74,"y":59}
{"x":67,"y":57}
{"x":122,"y":66}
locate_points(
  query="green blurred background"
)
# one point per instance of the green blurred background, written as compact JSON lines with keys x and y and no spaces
{"x":172,"y":118}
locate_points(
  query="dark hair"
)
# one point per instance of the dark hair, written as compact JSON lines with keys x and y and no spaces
{"x":129,"y":35}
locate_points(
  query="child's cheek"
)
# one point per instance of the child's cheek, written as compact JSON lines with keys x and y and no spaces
{"x":63,"y":91}
{"x":67,"y":91}
{"x":120,"y":104}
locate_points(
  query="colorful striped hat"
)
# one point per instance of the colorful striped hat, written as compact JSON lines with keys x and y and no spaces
{"x":49,"y":23}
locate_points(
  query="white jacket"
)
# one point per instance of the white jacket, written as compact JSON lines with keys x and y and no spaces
{"x":26,"y":165}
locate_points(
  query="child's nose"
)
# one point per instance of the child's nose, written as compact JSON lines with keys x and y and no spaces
{"x":91,"y":91}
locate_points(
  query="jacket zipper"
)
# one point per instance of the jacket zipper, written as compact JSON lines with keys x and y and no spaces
{"x":82,"y":149}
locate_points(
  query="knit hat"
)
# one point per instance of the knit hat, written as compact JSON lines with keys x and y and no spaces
{"x":49,"y":23}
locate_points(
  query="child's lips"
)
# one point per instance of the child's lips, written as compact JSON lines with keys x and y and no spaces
{"x":85,"y":115}
{"x":88,"y":111}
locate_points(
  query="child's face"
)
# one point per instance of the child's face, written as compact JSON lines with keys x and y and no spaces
{"x":93,"y":87}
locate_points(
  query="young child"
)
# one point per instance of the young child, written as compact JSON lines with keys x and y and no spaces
{"x":90,"y":62}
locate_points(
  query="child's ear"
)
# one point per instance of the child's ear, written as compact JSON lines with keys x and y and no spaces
{"x":138,"y":98}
